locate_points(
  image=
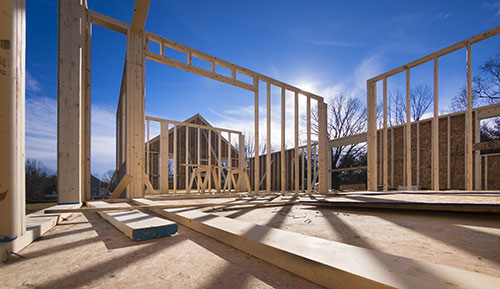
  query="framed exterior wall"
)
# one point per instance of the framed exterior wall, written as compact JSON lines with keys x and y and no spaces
{"x":188,"y":154}
{"x":138,"y":50}
{"x":469,"y":135}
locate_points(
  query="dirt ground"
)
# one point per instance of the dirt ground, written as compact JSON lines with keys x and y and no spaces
{"x":88,"y":252}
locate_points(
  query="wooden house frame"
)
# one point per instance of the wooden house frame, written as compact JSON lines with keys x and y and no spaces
{"x":74,"y":100}
{"x":470,"y":135}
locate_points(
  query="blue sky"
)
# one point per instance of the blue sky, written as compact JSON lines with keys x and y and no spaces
{"x":326,"y":47}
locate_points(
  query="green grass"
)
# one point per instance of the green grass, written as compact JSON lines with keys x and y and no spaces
{"x":35,"y":207}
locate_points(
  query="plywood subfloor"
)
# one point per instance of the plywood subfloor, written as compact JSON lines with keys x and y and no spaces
{"x":88,"y":252}
{"x":469,"y":241}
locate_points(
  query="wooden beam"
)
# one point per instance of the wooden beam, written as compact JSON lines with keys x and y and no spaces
{"x":197,"y":70}
{"x":487,"y":145}
{"x":435,"y":130}
{"x":126,"y":207}
{"x":108,"y":22}
{"x":141,"y":9}
{"x":325,"y":262}
{"x":136,"y":225}
{"x":452,"y":48}
{"x":372,"y":135}
{"x":12,"y":119}
{"x":209,"y":58}
{"x":192,"y":125}
{"x":124,"y":182}
{"x":408,"y":131}
{"x":468,"y":145}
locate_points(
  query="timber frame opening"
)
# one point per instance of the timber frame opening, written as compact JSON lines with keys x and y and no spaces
{"x":470,"y":134}
{"x":75,"y":27}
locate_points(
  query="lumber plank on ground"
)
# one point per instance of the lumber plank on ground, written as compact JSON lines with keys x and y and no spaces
{"x":136,"y":225}
{"x":328,"y":263}
{"x":37,"y":224}
{"x":420,"y":206}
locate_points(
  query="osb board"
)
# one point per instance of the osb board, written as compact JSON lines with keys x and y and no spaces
{"x":457,"y":240}
{"x":88,"y":252}
{"x":493,"y":166}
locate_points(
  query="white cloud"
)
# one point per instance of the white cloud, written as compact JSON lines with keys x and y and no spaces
{"x":442,"y":16}
{"x":32,"y":85}
{"x":41,"y":134}
{"x":494,"y":6}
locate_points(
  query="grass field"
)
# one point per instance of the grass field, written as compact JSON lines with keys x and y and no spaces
{"x":34,"y":207}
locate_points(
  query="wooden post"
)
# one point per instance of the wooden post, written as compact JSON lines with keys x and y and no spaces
{"x":392,"y":156}
{"x":268,"y":145}
{"x":435,"y":131}
{"x":12,"y":80}
{"x":175,"y":158}
{"x":418,"y":153}
{"x":468,"y":146}
{"x":448,"y":160}
{"x":186,"y":181}
{"x":408,"y":131}
{"x":323,"y":147}
{"x":86,"y":52}
{"x":71,"y":102}
{"x":372,"y":135}
{"x":148,"y":163}
{"x":198,"y":153}
{"x":241,"y":162}
{"x":309,"y":153}
{"x":229,"y":159}
{"x":209,"y":150}
{"x":134,"y":137}
{"x":477,"y":153}
{"x":164,"y":157}
{"x":296,"y":150}
{"x":283,"y":145}
{"x":219,"y":156}
{"x":302,"y":179}
{"x":384,"y":141}
{"x":256,"y":137}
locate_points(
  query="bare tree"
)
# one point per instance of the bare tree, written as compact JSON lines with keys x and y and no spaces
{"x":346,"y":117}
{"x":40,"y":180}
{"x":487,"y":82}
{"x":485,"y":86}
{"x":459,"y":101}
{"x":421,"y":98}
